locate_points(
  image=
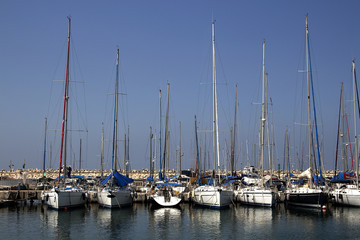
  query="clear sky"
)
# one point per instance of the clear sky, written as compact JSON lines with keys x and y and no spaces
{"x":169,"y":41}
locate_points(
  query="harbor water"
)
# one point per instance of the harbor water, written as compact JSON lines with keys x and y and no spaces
{"x":142,"y":221}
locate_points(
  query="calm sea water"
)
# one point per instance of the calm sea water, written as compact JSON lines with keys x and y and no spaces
{"x":187,"y":222}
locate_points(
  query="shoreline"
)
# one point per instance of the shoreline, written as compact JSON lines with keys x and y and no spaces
{"x":35,"y":174}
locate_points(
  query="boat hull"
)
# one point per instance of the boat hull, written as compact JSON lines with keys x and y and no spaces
{"x":348,"y":197}
{"x":115,"y":198}
{"x":256,"y":197}
{"x":64,"y":198}
{"x":307,"y":197}
{"x":213,"y":197}
{"x":166,"y":199}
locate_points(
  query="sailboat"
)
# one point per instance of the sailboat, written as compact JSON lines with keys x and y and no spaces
{"x":309,"y":195}
{"x":116,"y":192}
{"x":349,"y":194}
{"x":260,"y":194}
{"x":64,"y":196}
{"x":165,"y":195}
{"x":215,"y":195}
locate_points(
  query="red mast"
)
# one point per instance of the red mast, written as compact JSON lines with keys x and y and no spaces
{"x":65,"y":103}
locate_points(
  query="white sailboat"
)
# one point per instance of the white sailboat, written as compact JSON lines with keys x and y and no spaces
{"x":165,"y":196}
{"x":64,"y":196}
{"x":259,"y":194}
{"x":116,"y":192}
{"x":349,"y":194}
{"x":216,"y":195}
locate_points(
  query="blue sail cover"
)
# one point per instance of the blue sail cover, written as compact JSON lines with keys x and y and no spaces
{"x":120,"y":179}
{"x":150,"y":179}
{"x":343,"y":177}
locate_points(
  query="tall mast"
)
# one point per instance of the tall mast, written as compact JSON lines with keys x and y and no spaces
{"x":151,"y":163}
{"x":166,"y":129}
{"x":309,"y":73}
{"x":214,"y":89}
{"x":125,"y":150}
{"x":44,"y":148}
{"x":102,"y":152}
{"x":338,"y":130}
{"x":267,"y":128}
{"x":263,"y":117}
{"x":197,"y":152}
{"x":215,"y":109}
{"x":114,"y":154}
{"x":160,"y":167}
{"x":128,"y":153}
{"x":80,"y":154}
{"x":234,"y":137}
{"x":154,"y":162}
{"x":65,"y":110}
{"x":180,"y":147}
{"x":308,"y":97}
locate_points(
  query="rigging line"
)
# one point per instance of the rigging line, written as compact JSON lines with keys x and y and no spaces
{"x":60,"y":59}
{"x":226,"y":83}
{"x":347,"y":125}
{"x":77,"y":62}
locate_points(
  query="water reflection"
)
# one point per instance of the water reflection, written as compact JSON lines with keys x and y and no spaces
{"x":64,"y":224}
{"x":141,"y":221}
{"x":165,"y":223}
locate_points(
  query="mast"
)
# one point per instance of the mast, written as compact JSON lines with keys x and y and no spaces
{"x":214,"y":89}
{"x":180,"y":147}
{"x":309,"y":73}
{"x":338,"y":131}
{"x":267,"y":128}
{"x":308,"y":97}
{"x":234,"y":137}
{"x":50,"y":155}
{"x":154,"y":162}
{"x":128,"y":153}
{"x":65,"y":110}
{"x":80,"y":155}
{"x":205,"y":153}
{"x":215,"y":107}
{"x":44,"y":148}
{"x":197,"y":152}
{"x":166,"y":129}
{"x":160,"y":167}
{"x":151,"y":163}
{"x":125,"y":150}
{"x":263,"y":117}
{"x":114,"y":154}
{"x":102,"y":152}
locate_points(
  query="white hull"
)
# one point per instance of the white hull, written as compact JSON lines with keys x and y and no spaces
{"x":115,"y":197}
{"x":346,"y":196}
{"x":256,"y":196}
{"x":165,"y":198}
{"x":61,"y":198}
{"x":212,"y":196}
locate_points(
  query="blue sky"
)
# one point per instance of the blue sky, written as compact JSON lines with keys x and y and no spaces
{"x":169,"y":41}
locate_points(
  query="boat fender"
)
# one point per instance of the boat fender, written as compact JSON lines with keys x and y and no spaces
{"x":340,"y":196}
{"x":47,"y":197}
{"x":83,"y":196}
